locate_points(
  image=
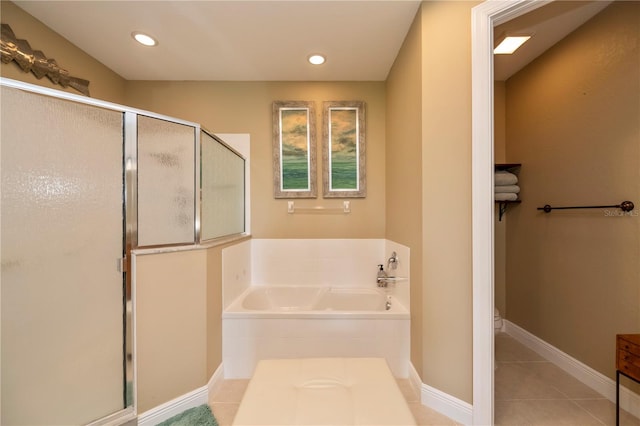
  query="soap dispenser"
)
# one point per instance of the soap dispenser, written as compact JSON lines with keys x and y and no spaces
{"x":381,"y":276}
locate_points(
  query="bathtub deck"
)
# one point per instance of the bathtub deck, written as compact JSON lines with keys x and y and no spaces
{"x":327,"y":391}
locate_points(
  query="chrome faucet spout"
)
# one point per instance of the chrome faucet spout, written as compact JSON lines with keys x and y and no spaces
{"x":392,"y":263}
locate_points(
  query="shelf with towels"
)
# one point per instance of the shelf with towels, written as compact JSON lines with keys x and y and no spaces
{"x":512,"y":168}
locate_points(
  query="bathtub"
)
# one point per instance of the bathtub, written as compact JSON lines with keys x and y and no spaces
{"x":267,"y":322}
{"x":315,"y":302}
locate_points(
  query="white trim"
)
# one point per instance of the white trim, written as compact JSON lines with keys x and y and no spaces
{"x":415,"y":380}
{"x":600,"y":383}
{"x":482,"y":211}
{"x":483,"y":19}
{"x":178,"y":405}
{"x":174,"y":407}
{"x":215,"y":382}
{"x":452,"y":407}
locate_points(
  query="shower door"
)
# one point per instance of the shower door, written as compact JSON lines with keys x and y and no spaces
{"x":62,"y":241}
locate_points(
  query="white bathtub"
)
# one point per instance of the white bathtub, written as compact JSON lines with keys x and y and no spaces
{"x":315,"y":302}
{"x":306,"y":321}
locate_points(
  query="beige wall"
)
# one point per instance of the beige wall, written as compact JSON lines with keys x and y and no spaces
{"x":404,"y":169}
{"x":245,"y":107}
{"x":103,"y":83}
{"x":178,"y":323}
{"x":572,"y":276}
{"x":500,"y":226}
{"x":171,"y":325}
{"x":429,"y":188}
{"x":446,"y":192}
{"x":214,"y":309}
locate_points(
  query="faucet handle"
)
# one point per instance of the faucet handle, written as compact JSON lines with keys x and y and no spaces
{"x":392,"y":263}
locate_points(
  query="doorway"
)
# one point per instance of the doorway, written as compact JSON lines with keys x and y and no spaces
{"x":484,"y":18}
{"x":525,"y":148}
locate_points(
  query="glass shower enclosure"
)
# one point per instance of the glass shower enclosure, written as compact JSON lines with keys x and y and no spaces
{"x":83,"y":183}
{"x":69,"y":213}
{"x":62,"y":237}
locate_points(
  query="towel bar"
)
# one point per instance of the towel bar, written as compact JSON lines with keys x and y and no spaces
{"x":625,"y":206}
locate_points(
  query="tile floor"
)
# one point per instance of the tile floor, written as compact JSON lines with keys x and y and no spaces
{"x":532,"y":391}
{"x":528,"y":391}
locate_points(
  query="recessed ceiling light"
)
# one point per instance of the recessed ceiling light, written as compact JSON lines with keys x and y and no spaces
{"x":144,"y":39}
{"x":510,"y":44}
{"x":317,"y":59}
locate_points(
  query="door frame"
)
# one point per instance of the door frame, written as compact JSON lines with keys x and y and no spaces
{"x":484,"y":18}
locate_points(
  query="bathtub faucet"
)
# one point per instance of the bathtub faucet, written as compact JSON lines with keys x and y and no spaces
{"x":392,"y":263}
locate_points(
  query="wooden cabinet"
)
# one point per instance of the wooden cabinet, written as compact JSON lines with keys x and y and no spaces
{"x":628,"y":355}
{"x":627,"y":363}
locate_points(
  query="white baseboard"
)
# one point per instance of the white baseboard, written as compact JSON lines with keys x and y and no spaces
{"x":452,"y":407}
{"x":174,"y":407}
{"x":216,"y":380}
{"x":600,"y":383}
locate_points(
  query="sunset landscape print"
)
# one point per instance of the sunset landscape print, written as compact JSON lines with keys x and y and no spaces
{"x":295,"y":149}
{"x":344,"y":149}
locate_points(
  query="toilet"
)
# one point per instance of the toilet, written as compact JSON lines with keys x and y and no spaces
{"x":497,"y":322}
{"x":497,"y":328}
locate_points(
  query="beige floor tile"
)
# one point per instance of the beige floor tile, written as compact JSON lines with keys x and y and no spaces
{"x":571,"y":387}
{"x":509,"y":349}
{"x":532,"y":391}
{"x":407,"y":390}
{"x":550,"y":412}
{"x":230,"y":391}
{"x":224,"y":412}
{"x":515,"y":381}
{"x":605,"y":411}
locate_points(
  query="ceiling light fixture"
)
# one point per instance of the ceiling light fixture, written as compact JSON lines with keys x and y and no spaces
{"x":144,"y":39}
{"x":510,"y":44}
{"x":317,"y":59}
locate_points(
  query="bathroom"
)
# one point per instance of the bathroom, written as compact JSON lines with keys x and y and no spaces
{"x":165,"y":369}
{"x":411,"y":207}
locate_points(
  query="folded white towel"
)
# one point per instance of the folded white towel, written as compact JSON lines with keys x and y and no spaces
{"x":503,"y":177}
{"x":507,"y":188}
{"x":505,"y":196}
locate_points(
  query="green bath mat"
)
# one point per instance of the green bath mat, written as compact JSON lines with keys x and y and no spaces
{"x":197,"y":416}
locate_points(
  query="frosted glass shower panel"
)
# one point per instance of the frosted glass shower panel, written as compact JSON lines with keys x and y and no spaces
{"x":62,"y":234}
{"x":223,"y":191}
{"x":166,"y":182}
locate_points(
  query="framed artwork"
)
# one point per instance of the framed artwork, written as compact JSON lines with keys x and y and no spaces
{"x":294,"y":149}
{"x":343,"y":151}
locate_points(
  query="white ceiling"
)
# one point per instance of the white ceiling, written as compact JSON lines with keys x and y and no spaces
{"x":235,"y":40}
{"x":547,"y":25}
{"x":264,"y":40}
